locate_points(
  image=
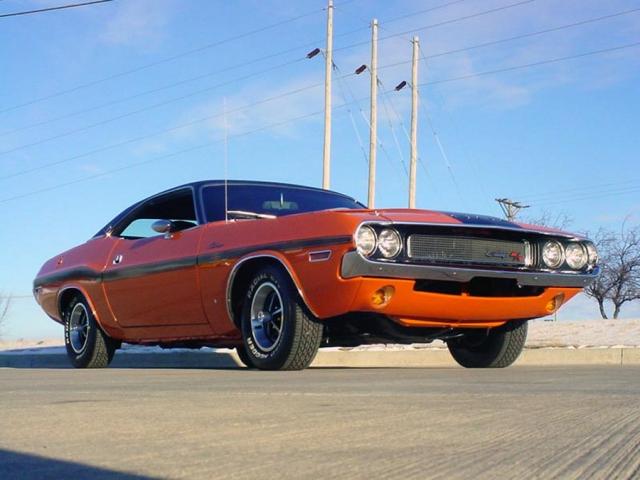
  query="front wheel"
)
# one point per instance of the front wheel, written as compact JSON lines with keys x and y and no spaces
{"x":87,"y":345}
{"x":493,"y":348}
{"x":278,"y":331}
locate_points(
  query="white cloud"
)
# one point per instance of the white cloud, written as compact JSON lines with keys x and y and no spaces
{"x":140,"y":24}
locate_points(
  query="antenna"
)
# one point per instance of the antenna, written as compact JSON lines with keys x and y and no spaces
{"x":226,"y":160}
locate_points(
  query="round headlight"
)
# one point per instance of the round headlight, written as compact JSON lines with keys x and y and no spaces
{"x":576,"y":256}
{"x":592,"y":252}
{"x":389,"y":243}
{"x":366,"y":240}
{"x":552,"y":254}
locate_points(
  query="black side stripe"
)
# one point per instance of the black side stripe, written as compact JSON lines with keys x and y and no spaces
{"x":88,"y":274}
{"x":280,"y":246}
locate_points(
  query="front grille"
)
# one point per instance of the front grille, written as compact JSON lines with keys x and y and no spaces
{"x":468,"y":250}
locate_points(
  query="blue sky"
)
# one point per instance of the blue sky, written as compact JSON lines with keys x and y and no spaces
{"x":562,"y":136}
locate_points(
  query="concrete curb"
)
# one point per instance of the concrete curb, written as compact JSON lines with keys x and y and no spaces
{"x":417,"y":358}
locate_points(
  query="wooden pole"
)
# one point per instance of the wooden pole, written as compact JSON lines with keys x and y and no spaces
{"x":413,"y":155}
{"x":326,"y":153}
{"x":373,"y":120}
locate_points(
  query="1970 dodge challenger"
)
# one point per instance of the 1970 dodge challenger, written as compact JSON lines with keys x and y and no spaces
{"x":277,"y":271}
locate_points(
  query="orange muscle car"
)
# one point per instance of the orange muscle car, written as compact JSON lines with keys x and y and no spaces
{"x":277,"y":271}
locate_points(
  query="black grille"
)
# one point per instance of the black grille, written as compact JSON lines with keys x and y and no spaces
{"x":483,"y":251}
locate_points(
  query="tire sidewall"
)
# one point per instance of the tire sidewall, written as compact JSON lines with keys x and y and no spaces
{"x":83,"y":358}
{"x":276,"y":357}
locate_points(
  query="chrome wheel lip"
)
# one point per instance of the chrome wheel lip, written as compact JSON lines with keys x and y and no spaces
{"x":267,"y":317}
{"x":78,"y":328}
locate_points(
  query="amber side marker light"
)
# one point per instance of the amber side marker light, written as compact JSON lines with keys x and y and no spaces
{"x":555,"y":303}
{"x":382,"y":296}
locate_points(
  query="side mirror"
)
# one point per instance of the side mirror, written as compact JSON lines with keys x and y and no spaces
{"x":163,"y":226}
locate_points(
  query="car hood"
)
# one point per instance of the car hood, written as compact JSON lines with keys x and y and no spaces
{"x":406,"y":215}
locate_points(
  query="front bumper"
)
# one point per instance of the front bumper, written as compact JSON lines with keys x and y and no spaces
{"x":355,"y":265}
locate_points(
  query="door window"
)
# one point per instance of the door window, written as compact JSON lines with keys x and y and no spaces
{"x":176,"y":206}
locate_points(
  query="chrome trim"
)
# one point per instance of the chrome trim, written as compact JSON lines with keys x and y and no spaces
{"x":471,"y":225}
{"x":354,"y":265}
{"x":528,"y":254}
{"x":234,"y":271}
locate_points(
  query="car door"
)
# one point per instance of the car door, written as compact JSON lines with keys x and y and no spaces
{"x":152,"y":278}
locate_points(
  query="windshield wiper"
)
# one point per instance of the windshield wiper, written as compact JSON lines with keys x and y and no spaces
{"x":245,"y":214}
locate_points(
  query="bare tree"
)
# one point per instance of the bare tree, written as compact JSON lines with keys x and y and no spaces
{"x":619,"y":281}
{"x":559,"y":220}
{"x":5,"y":301}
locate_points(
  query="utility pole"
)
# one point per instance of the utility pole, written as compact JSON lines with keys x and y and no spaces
{"x":373,"y":119}
{"x":326,"y":153}
{"x":510,"y":208}
{"x":413,"y":154}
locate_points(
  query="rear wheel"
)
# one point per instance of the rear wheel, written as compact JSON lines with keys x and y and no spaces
{"x":493,"y":348}
{"x":87,"y":345}
{"x":278,"y":331}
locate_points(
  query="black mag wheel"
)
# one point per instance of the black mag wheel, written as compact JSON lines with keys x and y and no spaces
{"x":87,"y":345}
{"x":278,"y":331}
{"x":493,"y":348}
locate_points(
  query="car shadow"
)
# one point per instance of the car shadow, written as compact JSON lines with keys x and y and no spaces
{"x":124,"y":360}
{"x":28,"y":466}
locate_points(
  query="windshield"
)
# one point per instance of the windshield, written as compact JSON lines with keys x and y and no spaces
{"x":272,"y":200}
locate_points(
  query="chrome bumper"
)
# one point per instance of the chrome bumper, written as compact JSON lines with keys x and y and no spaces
{"x":354,"y":265}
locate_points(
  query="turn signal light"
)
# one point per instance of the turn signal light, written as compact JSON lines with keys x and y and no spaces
{"x":382,"y":296}
{"x":555,"y":303}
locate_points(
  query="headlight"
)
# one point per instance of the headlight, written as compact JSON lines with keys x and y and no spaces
{"x":552,"y":254}
{"x":389,"y":243}
{"x":592,"y":252}
{"x":366,"y":240}
{"x":576,"y":256}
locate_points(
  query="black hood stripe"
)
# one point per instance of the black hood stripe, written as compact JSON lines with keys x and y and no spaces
{"x":483,"y":220}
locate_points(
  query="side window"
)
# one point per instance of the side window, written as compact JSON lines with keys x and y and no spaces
{"x":175,"y":206}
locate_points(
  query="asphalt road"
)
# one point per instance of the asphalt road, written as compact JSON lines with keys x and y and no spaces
{"x":521,"y":422}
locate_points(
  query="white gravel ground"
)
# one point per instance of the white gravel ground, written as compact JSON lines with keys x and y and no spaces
{"x":542,"y":334}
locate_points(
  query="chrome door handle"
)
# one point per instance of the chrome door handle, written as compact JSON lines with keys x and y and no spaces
{"x":117,"y":259}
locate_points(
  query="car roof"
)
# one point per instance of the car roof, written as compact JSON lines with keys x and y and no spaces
{"x":201,"y":183}
{"x":196,"y":186}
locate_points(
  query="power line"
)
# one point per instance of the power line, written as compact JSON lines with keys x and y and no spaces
{"x":507,"y":69}
{"x":159,"y":62}
{"x":582,"y":197}
{"x":162,"y":157}
{"x":49,"y":9}
{"x":156,"y":90}
{"x":147,"y":108}
{"x":163,"y":131}
{"x":401,"y":17}
{"x":533,"y":64}
{"x":532,"y":34}
{"x":242,"y":35}
{"x":585,"y":188}
{"x":445,"y":22}
{"x":457,"y":136}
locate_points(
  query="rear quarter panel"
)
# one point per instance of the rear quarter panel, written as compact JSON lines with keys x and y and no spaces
{"x":78,"y":268}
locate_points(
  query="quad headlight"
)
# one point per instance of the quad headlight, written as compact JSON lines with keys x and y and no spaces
{"x":389,"y":243}
{"x":552,"y":254}
{"x":385,"y":243}
{"x":576,"y":255}
{"x":366,"y":240}
{"x":592,"y":253}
